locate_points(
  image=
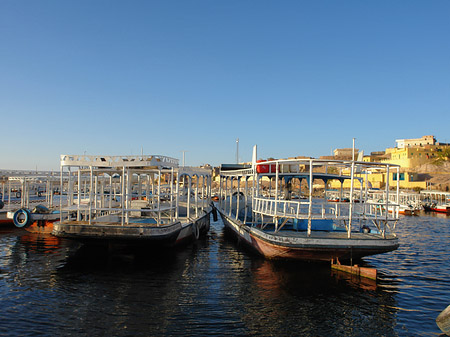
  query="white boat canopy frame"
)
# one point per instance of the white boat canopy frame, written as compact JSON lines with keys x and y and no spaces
{"x":281,"y":209}
{"x":99,"y":186}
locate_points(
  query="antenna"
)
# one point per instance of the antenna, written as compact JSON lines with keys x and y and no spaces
{"x":237,"y":150}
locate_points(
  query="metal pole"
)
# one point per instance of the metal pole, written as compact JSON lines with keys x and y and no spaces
{"x":188,"y":212}
{"x":177,"y":196}
{"x":352,"y":181}
{"x":238,"y":197}
{"x":237,"y":151}
{"x":90,"y":194}
{"x":310,"y":196}
{"x":122,"y":198}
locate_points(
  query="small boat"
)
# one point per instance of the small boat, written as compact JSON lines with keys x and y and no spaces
{"x":38,"y":220}
{"x":436,"y":201}
{"x":337,"y":199}
{"x":403,"y":209}
{"x":146,"y":201}
{"x":27,"y":201}
{"x":278,"y":227}
{"x":442,"y":208}
{"x":407,"y":210}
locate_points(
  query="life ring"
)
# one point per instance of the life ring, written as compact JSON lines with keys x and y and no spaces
{"x":18,"y":195}
{"x":22,"y":218}
{"x":195,"y":231}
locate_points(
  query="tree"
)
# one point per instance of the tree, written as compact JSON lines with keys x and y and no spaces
{"x":443,"y":156}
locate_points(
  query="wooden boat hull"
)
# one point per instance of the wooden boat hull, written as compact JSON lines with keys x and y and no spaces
{"x":5,"y":221}
{"x":132,"y":234}
{"x":324,"y":248}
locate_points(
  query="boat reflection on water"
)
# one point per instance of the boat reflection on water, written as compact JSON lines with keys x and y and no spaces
{"x":42,"y":243}
{"x":280,"y":295}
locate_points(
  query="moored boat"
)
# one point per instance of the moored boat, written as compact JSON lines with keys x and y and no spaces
{"x":38,"y":220}
{"x":134,"y":200}
{"x":436,"y":201}
{"x":278,"y":227}
{"x":28,"y":201}
{"x":443,"y":208}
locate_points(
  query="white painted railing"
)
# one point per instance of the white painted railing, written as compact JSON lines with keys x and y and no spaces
{"x":300,"y":209}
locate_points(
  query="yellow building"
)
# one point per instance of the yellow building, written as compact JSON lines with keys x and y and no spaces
{"x":410,"y":157}
{"x":408,"y":180}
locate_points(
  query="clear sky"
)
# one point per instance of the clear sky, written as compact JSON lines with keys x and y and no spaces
{"x":295,"y":77}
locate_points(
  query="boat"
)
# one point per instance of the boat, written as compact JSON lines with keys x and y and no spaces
{"x":405,"y":203}
{"x":407,"y":210}
{"x":436,"y":201}
{"x":38,"y":220}
{"x":27,"y":201}
{"x":146,"y":201}
{"x":441,"y":208}
{"x":278,"y":227}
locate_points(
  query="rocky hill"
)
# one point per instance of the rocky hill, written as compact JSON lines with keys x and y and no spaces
{"x":437,"y":174}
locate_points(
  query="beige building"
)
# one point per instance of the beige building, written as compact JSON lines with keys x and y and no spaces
{"x":425,"y":140}
{"x":344,"y":154}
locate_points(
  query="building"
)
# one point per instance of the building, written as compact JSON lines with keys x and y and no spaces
{"x":375,"y":157}
{"x":345,"y":154}
{"x":425,"y":140}
{"x":407,"y":180}
{"x":412,"y":157}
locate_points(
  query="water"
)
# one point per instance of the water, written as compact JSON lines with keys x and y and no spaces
{"x":216,"y":287}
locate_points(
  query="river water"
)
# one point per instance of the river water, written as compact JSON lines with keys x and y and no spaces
{"x":216,"y":287}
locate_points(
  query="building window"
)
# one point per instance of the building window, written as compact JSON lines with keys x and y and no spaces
{"x":394,"y":176}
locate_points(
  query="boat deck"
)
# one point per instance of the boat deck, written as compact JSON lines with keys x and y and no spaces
{"x":328,"y":235}
{"x":140,"y":222}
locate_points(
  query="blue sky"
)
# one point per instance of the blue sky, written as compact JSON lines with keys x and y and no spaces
{"x":295,"y":77}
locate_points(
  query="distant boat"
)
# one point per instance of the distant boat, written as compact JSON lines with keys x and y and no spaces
{"x":443,"y":208}
{"x":38,"y":220}
{"x":278,"y":227}
{"x":135,"y":201}
{"x":436,"y":201}
{"x":27,"y":199}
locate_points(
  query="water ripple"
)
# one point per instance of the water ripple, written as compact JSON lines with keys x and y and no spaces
{"x":217,"y":287}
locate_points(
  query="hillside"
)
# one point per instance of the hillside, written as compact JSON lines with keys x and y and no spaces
{"x":437,"y":175}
